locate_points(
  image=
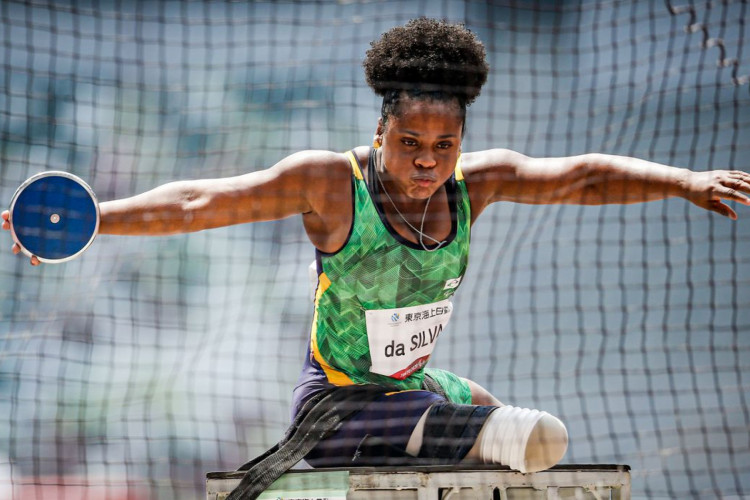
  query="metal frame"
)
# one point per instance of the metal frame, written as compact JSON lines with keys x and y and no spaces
{"x":579,"y":482}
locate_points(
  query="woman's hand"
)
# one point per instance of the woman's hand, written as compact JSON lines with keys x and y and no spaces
{"x":16,"y":247}
{"x":708,"y":189}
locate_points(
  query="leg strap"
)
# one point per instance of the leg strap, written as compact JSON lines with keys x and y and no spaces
{"x":451,"y":430}
{"x":320,"y":416}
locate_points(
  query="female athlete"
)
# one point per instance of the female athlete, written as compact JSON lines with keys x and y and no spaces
{"x":390,"y":224}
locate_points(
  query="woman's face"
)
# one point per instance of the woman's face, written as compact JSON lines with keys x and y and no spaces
{"x":420,"y":146}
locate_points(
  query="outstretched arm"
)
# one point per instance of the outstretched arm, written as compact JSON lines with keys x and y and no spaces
{"x":596,"y":179}
{"x":195,"y":205}
{"x":286,"y":189}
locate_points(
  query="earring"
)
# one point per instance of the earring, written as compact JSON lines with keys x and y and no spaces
{"x":376,"y":143}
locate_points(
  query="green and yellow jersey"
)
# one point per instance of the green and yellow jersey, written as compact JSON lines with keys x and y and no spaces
{"x":381,"y":301}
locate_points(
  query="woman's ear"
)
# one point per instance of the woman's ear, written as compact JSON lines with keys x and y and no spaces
{"x":377,"y":139}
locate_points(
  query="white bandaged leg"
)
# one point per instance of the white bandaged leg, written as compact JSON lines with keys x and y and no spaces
{"x":523,"y":439}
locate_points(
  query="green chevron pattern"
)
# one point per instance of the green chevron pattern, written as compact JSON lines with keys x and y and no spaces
{"x":375,"y":271}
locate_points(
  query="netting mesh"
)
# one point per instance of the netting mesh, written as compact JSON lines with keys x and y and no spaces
{"x":134,"y":370}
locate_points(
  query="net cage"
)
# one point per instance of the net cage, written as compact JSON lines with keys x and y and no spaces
{"x":133,"y":370}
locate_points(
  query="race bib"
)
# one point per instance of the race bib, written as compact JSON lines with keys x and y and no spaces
{"x":402,"y":339}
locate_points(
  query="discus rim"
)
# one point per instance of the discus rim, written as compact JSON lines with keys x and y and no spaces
{"x":54,"y":173}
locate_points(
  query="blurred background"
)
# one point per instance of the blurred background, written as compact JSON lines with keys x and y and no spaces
{"x":132,"y":371}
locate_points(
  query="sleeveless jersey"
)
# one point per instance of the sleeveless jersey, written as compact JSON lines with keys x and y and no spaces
{"x":382,"y":301}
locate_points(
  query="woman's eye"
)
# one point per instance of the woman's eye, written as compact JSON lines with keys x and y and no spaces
{"x":444,"y":145}
{"x":409,"y":142}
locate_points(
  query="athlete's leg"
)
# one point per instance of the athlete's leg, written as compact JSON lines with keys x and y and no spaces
{"x":390,"y":419}
{"x":479,"y":396}
{"x":547,"y":443}
{"x":523,"y":439}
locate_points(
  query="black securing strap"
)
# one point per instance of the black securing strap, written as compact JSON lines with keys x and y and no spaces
{"x":430,"y":384}
{"x":320,"y":416}
{"x":450,"y":431}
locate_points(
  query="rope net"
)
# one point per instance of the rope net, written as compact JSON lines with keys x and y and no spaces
{"x":132,"y":371}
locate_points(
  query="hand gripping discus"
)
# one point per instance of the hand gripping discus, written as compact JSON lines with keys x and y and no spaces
{"x":54,"y":216}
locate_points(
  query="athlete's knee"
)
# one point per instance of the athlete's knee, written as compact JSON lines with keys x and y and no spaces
{"x":523,"y":439}
{"x":481,"y":396}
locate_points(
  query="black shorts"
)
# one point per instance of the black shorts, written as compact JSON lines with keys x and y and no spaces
{"x":390,"y":418}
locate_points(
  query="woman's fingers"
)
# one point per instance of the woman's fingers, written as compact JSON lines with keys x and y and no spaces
{"x":723,"y":209}
{"x":734,"y":185}
{"x":16,"y":248}
{"x":709,"y":189}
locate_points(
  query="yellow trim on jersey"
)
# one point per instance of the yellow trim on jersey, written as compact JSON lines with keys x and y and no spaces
{"x":458,"y":171}
{"x":334,"y":376}
{"x":399,"y":392}
{"x":355,"y":165}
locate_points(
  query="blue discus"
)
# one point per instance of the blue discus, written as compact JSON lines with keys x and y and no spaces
{"x":55,"y":216}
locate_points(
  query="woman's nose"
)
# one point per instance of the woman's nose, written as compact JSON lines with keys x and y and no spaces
{"x":425,"y":159}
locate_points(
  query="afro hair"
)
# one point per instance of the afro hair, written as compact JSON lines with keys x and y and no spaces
{"x":427,"y":55}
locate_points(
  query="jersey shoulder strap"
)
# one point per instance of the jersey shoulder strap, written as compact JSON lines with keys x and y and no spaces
{"x":356,"y":169}
{"x":458,"y":172}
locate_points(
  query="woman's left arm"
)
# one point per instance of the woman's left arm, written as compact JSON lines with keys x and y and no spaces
{"x":596,"y":179}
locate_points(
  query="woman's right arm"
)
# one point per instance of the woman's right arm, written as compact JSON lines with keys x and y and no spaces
{"x":290,"y":187}
{"x":283,"y":190}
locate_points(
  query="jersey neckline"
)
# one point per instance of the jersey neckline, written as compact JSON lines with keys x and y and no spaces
{"x":374,"y":194}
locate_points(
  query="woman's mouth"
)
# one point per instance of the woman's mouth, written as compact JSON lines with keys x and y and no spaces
{"x":423,"y":180}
